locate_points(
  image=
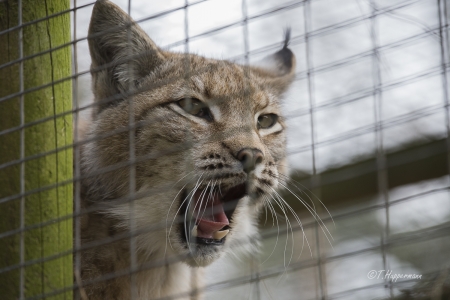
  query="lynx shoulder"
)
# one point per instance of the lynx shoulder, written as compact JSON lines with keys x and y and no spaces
{"x":181,"y":154}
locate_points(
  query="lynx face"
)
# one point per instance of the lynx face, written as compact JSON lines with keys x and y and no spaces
{"x":204,"y":147}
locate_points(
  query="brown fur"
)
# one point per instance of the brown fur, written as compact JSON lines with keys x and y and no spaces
{"x":173,"y":151}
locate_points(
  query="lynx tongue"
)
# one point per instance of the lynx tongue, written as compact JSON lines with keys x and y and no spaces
{"x":209,"y":214}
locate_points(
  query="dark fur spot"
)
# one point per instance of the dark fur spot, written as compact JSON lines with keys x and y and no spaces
{"x":259,"y":191}
{"x":265,"y":181}
{"x":228,"y":148}
{"x":207,"y":93}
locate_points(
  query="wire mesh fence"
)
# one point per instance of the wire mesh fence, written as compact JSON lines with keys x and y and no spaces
{"x":111,"y":161}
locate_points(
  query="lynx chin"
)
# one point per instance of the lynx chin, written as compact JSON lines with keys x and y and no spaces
{"x":182,"y":153}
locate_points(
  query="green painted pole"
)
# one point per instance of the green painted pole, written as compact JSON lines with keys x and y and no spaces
{"x":47,"y":196}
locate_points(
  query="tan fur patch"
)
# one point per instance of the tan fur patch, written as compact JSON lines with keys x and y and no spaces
{"x":224,"y":145}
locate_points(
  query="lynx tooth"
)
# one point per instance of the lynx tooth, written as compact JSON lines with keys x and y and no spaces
{"x":218,"y":235}
{"x":194,"y":231}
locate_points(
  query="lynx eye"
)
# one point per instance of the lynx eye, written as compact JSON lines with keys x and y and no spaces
{"x":267,"y":121}
{"x":196,"y":108}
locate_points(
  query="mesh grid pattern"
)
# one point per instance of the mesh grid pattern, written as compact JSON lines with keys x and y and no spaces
{"x":368,"y":145}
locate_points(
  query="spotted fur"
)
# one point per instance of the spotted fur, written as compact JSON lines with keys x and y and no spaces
{"x":135,"y":80}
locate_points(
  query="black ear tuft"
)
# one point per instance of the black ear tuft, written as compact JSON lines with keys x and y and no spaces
{"x":285,"y":55}
{"x":282,"y":62}
{"x":279,"y":68}
{"x":287,"y":37}
{"x":286,"y":60}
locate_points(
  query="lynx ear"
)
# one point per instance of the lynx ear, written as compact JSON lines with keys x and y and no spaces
{"x":279,"y":68}
{"x":121,"y":52}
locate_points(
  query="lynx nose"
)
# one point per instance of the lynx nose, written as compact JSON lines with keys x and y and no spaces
{"x":250,"y":158}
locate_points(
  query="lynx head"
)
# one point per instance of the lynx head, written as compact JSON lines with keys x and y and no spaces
{"x":198,"y":143}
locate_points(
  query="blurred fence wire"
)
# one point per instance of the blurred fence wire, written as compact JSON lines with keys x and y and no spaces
{"x":368,"y":144}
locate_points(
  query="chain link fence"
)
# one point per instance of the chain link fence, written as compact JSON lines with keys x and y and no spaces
{"x":367,"y":144}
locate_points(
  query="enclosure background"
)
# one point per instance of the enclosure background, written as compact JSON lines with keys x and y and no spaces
{"x":368,"y":135}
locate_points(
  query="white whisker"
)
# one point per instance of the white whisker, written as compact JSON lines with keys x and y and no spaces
{"x":318,"y":199}
{"x":200,"y":203}
{"x":274,"y":218}
{"x":167,"y":217}
{"x":315,"y":216}
{"x":296,"y":218}
{"x":181,"y":204}
{"x":187,"y":231}
{"x":288,"y":225}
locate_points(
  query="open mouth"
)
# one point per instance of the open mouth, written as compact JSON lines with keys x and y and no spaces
{"x":208,"y":214}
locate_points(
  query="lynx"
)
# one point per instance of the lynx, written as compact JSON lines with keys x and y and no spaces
{"x":181,"y":154}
